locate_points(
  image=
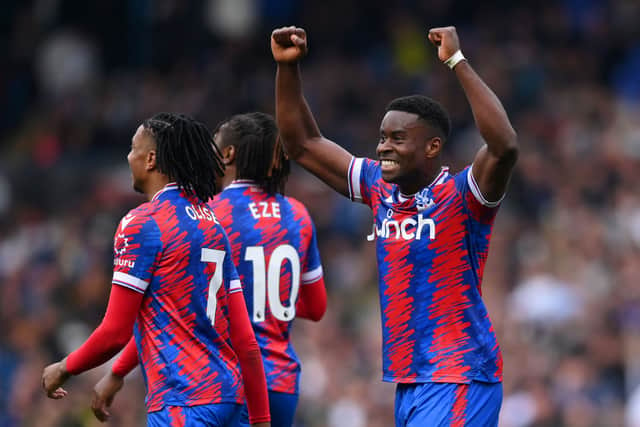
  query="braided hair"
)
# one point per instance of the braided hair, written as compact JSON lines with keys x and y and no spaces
{"x":259,"y":153}
{"x":185,"y":153}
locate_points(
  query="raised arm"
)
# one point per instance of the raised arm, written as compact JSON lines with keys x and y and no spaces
{"x":298,"y":128}
{"x":494,"y":161}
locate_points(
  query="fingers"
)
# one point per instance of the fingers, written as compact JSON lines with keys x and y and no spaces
{"x":58,"y":393}
{"x":297,"y":40}
{"x":99,"y":408}
{"x":289,"y":36}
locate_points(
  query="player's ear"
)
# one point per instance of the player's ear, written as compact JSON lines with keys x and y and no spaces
{"x":151,"y":160}
{"x":229,"y":155}
{"x":433,"y":147}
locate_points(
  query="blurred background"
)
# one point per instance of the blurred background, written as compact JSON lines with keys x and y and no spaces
{"x":561,"y":282}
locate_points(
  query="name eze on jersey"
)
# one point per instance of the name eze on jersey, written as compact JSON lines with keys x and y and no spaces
{"x":200,"y":213}
{"x":407,"y":229}
{"x":264,"y":210}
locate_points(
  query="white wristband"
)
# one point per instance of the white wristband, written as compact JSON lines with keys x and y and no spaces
{"x":454,"y":59}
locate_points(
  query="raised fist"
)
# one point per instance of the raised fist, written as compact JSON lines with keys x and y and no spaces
{"x":446,"y":40}
{"x":288,"y":44}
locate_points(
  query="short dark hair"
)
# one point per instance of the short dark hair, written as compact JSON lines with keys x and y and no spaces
{"x":426,"y":108}
{"x":259,"y":154}
{"x":185,"y":153}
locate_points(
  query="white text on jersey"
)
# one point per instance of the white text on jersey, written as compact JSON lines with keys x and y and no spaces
{"x":200,"y":212}
{"x":265,"y":210}
{"x":119,"y":262}
{"x":407,"y":229}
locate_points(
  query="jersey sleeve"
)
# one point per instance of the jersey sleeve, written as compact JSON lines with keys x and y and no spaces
{"x":363,"y":173}
{"x":312,"y":267}
{"x":136,"y":247}
{"x":230,"y":274}
{"x":479,"y":207}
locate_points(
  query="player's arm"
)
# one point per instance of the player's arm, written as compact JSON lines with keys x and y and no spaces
{"x":105,"y":342}
{"x":298,"y":129}
{"x":494,"y":162}
{"x":106,"y":389}
{"x":312,"y":302}
{"x":246,"y":347}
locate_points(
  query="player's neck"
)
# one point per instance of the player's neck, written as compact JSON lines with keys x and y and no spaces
{"x":229,"y":176}
{"x":412,"y":186}
{"x":155,"y":184}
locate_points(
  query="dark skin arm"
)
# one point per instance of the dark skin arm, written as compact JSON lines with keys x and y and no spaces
{"x":494,"y":162}
{"x":302,"y":138}
{"x":492,"y":165}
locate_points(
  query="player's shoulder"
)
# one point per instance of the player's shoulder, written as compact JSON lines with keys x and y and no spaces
{"x":297,"y":206}
{"x":139,"y":215}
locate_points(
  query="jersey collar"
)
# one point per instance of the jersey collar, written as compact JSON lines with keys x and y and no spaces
{"x":242,"y":183}
{"x":444,"y":171}
{"x":168,"y":187}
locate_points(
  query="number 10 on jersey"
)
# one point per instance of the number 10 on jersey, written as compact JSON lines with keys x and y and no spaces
{"x":266,"y":281}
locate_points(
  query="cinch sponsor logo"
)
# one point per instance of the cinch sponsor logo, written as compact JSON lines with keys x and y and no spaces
{"x":200,"y":212}
{"x":407,"y":229}
{"x":119,"y":262}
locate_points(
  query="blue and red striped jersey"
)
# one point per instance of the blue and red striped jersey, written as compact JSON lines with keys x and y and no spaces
{"x":174,"y":251}
{"x":431,"y":251}
{"x":274,"y":248}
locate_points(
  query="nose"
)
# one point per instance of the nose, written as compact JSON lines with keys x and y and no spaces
{"x":382,"y":145}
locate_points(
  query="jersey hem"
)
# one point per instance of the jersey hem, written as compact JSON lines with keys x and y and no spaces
{"x":197,"y":402}
{"x":452,"y":379}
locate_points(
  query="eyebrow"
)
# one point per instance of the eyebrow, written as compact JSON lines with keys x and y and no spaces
{"x":395,"y":131}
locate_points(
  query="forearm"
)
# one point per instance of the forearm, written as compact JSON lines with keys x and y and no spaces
{"x":246,"y":347}
{"x":127,"y":361}
{"x":488,"y":112}
{"x":295,"y":121}
{"x":112,"y":334}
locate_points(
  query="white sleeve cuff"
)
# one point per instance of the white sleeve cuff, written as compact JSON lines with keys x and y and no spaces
{"x":235,"y":286}
{"x":473,"y":185}
{"x":355,"y":169}
{"x":129,"y":281}
{"x":312,"y":276}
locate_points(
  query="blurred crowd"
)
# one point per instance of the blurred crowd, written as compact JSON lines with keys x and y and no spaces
{"x":561,"y":281}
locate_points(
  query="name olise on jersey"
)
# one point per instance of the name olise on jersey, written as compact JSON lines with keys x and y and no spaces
{"x":200,"y":213}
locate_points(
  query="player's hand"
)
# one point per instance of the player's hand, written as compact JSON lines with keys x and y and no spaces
{"x":288,"y":44}
{"x":446,"y":40}
{"x":103,"y":393}
{"x":53,"y":377}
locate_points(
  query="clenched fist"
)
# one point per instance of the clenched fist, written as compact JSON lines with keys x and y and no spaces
{"x":288,"y":44}
{"x":446,"y":39}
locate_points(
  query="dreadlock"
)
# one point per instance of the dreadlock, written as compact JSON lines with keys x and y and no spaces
{"x":185,"y":153}
{"x":260,"y":155}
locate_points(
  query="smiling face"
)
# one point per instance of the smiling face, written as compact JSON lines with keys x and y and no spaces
{"x":141,"y":158}
{"x":405,"y":148}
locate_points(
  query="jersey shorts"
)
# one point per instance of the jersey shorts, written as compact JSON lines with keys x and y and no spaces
{"x":448,"y":405}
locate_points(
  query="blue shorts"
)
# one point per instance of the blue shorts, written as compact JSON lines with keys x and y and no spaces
{"x":282,"y":407}
{"x":445,"y":404}
{"x":213,"y":415}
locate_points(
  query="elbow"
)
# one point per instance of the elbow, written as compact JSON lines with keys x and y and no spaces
{"x":293,"y":150}
{"x":509,"y":150}
{"x":116,"y":337}
{"x":317,"y":314}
